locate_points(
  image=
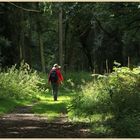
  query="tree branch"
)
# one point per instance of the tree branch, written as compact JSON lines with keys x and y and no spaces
{"x":87,"y":29}
{"x":109,"y":34}
{"x":25,"y":9}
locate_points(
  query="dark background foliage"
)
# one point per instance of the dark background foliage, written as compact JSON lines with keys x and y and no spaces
{"x":93,"y":35}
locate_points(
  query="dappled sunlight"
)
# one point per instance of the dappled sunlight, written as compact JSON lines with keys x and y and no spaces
{"x":70,"y":62}
{"x":50,"y":108}
{"x":62,"y":96}
{"x":38,"y":128}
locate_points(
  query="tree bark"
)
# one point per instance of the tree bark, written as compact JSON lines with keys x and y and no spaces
{"x":40,"y":39}
{"x":61,"y":38}
{"x":83,"y":37}
{"x":65,"y":44}
{"x":87,"y":53}
{"x":41,"y":52}
{"x":21,"y":38}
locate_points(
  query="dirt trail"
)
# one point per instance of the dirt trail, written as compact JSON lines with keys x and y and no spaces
{"x":22,"y":123}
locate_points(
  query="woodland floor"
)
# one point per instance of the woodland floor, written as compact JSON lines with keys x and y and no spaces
{"x":22,"y":123}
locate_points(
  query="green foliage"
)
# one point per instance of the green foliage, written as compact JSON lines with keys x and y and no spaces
{"x":128,"y":126}
{"x":19,"y":83}
{"x":6,"y":105}
{"x":47,"y":107}
{"x":117,"y":94}
{"x":108,"y":31}
{"x":124,"y":87}
{"x":74,"y":80}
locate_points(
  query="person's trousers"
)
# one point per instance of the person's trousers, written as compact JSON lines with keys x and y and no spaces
{"x":54,"y":90}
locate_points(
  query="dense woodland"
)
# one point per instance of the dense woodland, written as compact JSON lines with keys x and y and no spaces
{"x":79,"y":36}
{"x":98,"y":47}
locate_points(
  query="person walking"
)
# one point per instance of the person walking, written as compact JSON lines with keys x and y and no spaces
{"x":55,"y":78}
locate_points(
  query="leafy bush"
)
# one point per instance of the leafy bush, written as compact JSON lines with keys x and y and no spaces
{"x":128,"y":126}
{"x":117,"y":94}
{"x":19,"y":83}
{"x":74,"y":80}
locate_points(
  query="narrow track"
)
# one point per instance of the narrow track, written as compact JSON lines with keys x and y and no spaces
{"x":22,"y":123}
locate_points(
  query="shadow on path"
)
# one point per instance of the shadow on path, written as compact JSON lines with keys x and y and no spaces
{"x":22,"y":123}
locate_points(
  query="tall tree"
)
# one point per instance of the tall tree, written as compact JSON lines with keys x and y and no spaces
{"x":61,"y":36}
{"x":40,"y":39}
{"x":21,"y":38}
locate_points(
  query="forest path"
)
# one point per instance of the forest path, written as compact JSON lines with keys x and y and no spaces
{"x":22,"y":123}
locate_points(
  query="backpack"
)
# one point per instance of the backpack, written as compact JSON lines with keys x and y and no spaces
{"x":53,"y":76}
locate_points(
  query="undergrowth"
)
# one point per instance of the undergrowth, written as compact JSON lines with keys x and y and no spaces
{"x":20,"y":83}
{"x":116,"y":95}
{"x":110,"y":103}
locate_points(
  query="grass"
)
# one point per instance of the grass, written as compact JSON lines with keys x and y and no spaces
{"x":85,"y":109}
{"x":7,"y":105}
{"x":46,"y":106}
{"x":50,"y":108}
{"x":44,"y":103}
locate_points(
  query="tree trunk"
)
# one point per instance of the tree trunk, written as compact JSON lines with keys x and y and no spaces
{"x":61,"y":38}
{"x":21,"y":38}
{"x":40,"y":39}
{"x":88,"y":54}
{"x":41,"y":51}
{"x":65,"y":44}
